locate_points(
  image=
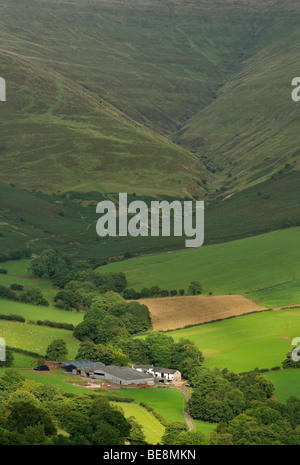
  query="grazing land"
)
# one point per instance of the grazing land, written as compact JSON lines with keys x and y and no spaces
{"x":287,"y":383}
{"x":33,"y":313}
{"x":279,"y":295}
{"x":237,"y":267}
{"x":168,"y":402}
{"x":152,"y":428}
{"x":261,"y":340}
{"x":36,"y":338}
{"x":56,"y":378}
{"x":18,"y":272}
{"x":178,"y":312}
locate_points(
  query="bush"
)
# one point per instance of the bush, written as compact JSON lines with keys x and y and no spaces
{"x":3,"y":271}
{"x":13,"y":317}
{"x":17,"y":287}
{"x":7,"y":293}
{"x":195,"y":288}
{"x":53,"y":324}
{"x":164,"y":293}
{"x":131,"y":294}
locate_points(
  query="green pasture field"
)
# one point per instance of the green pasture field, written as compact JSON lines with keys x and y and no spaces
{"x":36,"y":338}
{"x":168,"y":402}
{"x":33,"y":313}
{"x":279,"y":295}
{"x":153,"y":429}
{"x":19,"y":273}
{"x":239,"y":267}
{"x":21,"y":360}
{"x":287,"y":383}
{"x":56,"y":378}
{"x":240,"y":344}
{"x":204,"y":426}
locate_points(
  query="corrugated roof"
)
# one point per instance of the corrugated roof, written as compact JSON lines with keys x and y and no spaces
{"x":164,"y":370}
{"x":82,"y":363}
{"x":92,"y":367}
{"x":125,"y":373}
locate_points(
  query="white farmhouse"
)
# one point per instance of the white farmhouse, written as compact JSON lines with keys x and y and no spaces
{"x":159,"y":373}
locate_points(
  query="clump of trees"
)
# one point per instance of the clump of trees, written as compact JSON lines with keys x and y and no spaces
{"x":289,"y":362}
{"x":176,"y":433}
{"x":62,"y":270}
{"x":33,"y":296}
{"x":108,"y":355}
{"x":145,"y":292}
{"x":31,"y":414}
{"x":57,"y":350}
{"x":15,"y":255}
{"x":161,"y":350}
{"x":220,"y":396}
{"x":110,"y":316}
{"x":195,"y":288}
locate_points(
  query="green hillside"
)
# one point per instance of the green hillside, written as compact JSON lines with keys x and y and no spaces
{"x":242,"y":266}
{"x":248,"y":132}
{"x":242,"y":344}
{"x":153,"y":99}
{"x":36,"y":338}
{"x":213,"y":77}
{"x":71,"y":139}
{"x":287,"y":383}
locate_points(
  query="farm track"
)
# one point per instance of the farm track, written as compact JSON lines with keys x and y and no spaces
{"x":186,"y":413}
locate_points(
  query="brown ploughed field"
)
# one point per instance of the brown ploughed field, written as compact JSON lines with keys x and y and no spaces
{"x":178,"y":312}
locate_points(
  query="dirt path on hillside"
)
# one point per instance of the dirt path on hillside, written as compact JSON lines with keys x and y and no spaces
{"x":187,"y":417}
{"x":38,"y":239}
{"x":177,"y":312}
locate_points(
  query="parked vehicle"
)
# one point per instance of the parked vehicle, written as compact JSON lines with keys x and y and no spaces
{"x":42,"y":368}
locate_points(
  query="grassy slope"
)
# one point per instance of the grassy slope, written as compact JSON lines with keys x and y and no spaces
{"x":248,"y":132}
{"x":78,"y":141}
{"x":244,"y":343}
{"x":36,"y":338}
{"x":253,"y":211}
{"x":19,"y":273}
{"x":167,"y":402}
{"x":56,"y":378}
{"x":82,"y":120}
{"x":287,"y":383}
{"x":212,"y":72}
{"x":156,"y":62}
{"x":152,"y":428}
{"x":234,"y":267}
{"x":34,"y":313}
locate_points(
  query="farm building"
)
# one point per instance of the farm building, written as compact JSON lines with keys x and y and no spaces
{"x":159,"y":373}
{"x":82,"y":367}
{"x":123,"y":375}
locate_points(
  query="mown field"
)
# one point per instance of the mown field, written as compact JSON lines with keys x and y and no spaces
{"x":259,"y":340}
{"x":152,"y":428}
{"x":169,"y":403}
{"x":238,"y":267}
